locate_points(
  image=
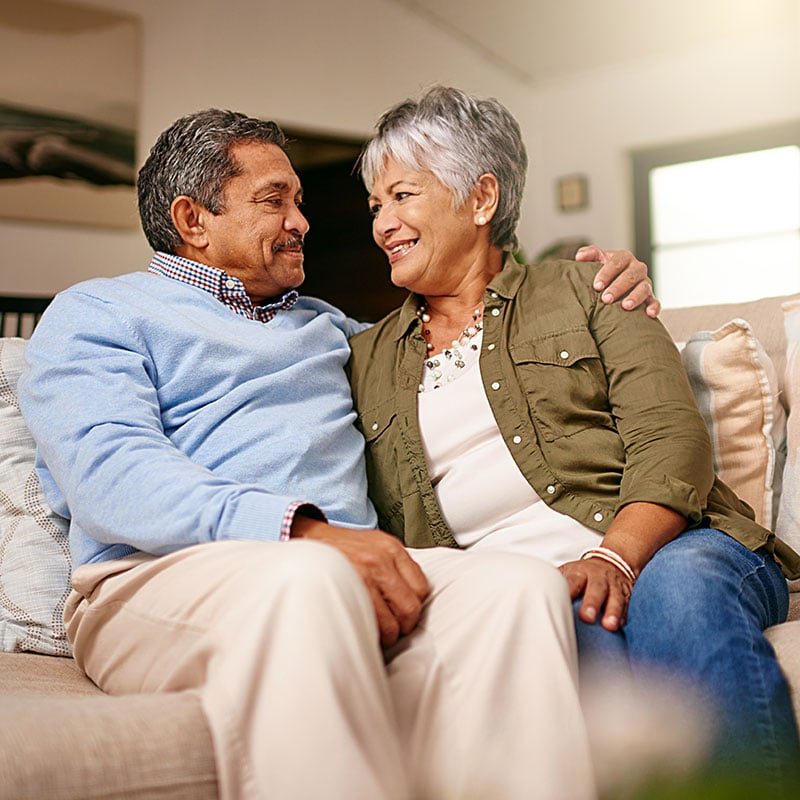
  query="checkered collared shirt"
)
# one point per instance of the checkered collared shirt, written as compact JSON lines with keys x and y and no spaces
{"x":230,"y":292}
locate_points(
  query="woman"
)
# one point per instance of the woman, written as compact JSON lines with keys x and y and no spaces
{"x":508,"y":408}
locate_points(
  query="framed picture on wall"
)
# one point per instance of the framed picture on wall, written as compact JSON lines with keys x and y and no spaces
{"x":573,"y":192}
{"x":68,"y":114}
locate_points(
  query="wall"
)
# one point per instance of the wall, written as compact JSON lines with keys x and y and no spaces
{"x":335,"y":66}
{"x":590,"y":123}
{"x":325,"y":66}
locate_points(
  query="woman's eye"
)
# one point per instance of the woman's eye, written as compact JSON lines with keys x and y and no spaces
{"x":374,"y":209}
{"x":402,"y":195}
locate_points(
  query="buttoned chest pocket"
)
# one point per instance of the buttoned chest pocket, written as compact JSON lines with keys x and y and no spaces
{"x":564,"y":382}
{"x":379,"y":426}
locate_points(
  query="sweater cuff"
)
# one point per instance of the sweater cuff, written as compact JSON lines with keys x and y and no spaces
{"x":308,"y":509}
{"x":262,"y":516}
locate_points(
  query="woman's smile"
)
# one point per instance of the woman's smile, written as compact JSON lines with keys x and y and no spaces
{"x":400,"y":249}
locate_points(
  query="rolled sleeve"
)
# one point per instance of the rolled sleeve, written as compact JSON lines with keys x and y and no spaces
{"x":667,"y":446}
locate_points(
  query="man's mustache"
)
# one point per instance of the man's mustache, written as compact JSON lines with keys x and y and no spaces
{"x":293,"y":243}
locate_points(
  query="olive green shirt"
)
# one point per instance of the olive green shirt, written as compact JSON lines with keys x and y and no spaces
{"x":591,"y":400}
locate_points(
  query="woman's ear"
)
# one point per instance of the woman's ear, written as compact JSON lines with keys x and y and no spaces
{"x":486,"y":197}
{"x":188,"y":217}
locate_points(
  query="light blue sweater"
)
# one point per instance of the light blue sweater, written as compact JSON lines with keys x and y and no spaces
{"x":163,"y":419}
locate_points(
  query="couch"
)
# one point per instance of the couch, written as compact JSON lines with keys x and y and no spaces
{"x":61,"y":737}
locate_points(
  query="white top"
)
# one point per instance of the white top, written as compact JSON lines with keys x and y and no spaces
{"x":484,"y":497}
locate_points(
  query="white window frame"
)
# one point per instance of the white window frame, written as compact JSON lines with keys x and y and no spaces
{"x":647,"y":159}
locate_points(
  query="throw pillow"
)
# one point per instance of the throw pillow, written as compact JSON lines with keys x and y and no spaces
{"x":736,"y":388}
{"x":788,"y":525}
{"x":34,"y":549}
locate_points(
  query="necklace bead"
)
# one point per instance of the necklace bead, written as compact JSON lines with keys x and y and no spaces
{"x":452,"y":355}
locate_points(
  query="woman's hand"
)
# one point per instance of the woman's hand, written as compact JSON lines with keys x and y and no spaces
{"x":636,"y":533}
{"x":622,"y":276}
{"x":605,"y":589}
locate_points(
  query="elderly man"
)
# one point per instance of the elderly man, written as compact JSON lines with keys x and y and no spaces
{"x":195,"y":425}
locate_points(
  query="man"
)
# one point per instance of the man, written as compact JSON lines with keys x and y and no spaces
{"x":195,"y":425}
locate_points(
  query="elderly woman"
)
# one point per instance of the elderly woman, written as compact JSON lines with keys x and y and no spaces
{"x":506,"y":407}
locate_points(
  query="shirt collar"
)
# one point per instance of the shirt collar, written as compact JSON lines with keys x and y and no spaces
{"x":504,"y":285}
{"x":227,"y":289}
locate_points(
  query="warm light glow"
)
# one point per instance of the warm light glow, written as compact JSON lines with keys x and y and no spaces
{"x":727,"y":229}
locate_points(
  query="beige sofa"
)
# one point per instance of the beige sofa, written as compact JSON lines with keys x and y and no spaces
{"x":61,"y":737}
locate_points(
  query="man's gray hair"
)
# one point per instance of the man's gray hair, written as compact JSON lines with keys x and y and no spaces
{"x":458,"y":138}
{"x":193,"y":158}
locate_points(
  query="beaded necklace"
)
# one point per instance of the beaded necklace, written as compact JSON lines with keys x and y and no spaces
{"x":453,"y":355}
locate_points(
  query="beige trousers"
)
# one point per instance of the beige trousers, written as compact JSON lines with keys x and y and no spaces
{"x":281,"y":644}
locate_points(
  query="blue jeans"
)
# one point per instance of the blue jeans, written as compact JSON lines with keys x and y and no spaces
{"x":698,"y":610}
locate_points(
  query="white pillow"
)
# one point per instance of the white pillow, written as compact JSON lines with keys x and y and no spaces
{"x":34,"y":548}
{"x":736,"y":387}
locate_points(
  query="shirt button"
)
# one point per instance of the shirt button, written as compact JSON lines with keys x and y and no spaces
{"x":564,"y":354}
{"x":493,"y":294}
{"x":230,"y":283}
{"x":374,"y":426}
{"x":495,"y":312}
{"x":517,"y":439}
{"x":495,"y":386}
{"x":598,"y":517}
{"x":551,"y":489}
{"x":491,"y":346}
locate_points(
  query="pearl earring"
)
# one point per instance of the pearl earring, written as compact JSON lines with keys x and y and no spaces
{"x":481,"y":220}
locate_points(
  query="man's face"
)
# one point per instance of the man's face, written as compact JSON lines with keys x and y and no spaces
{"x":258,"y":237}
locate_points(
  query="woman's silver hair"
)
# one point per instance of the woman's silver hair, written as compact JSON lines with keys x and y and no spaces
{"x":193,"y":157}
{"x":458,"y":138}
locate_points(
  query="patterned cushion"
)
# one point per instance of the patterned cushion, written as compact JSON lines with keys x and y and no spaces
{"x":736,"y":388}
{"x":788,"y":525}
{"x":34,"y":549}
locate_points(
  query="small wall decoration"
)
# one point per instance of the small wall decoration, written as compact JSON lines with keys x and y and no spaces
{"x":573,"y":192}
{"x":68,"y":114}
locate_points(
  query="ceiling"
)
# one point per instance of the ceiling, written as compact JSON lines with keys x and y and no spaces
{"x":542,"y":41}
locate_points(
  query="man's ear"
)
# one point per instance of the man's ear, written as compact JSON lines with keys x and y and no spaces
{"x":189,"y":218}
{"x":486,"y":196}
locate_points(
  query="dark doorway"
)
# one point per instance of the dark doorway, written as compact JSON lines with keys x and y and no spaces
{"x":343,"y":265}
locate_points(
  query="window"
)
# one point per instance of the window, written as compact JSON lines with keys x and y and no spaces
{"x":719,"y":221}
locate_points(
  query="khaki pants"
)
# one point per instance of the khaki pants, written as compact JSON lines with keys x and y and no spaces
{"x":280,"y":641}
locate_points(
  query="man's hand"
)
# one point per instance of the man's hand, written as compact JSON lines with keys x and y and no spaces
{"x":622,"y":275}
{"x":396,"y":583}
{"x":605,"y":589}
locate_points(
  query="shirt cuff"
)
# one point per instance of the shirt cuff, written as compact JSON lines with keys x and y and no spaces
{"x":309,"y":510}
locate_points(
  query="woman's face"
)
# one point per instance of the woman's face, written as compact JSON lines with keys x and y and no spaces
{"x":431,"y":245}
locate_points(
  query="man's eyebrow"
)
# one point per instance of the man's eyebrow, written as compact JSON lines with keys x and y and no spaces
{"x":278,"y":186}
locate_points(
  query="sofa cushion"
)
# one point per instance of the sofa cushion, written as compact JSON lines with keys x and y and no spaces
{"x":61,"y":738}
{"x":762,"y":315}
{"x":788,"y":523}
{"x":34,"y":548}
{"x":785,"y":639}
{"x":736,"y":388}
{"x":23,"y":674}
